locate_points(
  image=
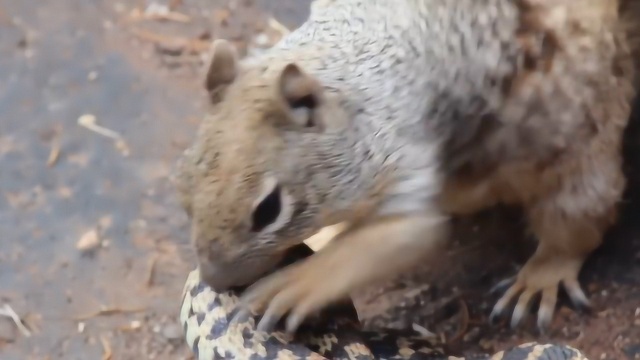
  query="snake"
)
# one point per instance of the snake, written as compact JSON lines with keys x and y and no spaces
{"x":335,"y":333}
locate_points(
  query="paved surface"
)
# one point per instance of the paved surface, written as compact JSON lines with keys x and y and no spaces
{"x":62,"y":60}
{"x":85,"y":296}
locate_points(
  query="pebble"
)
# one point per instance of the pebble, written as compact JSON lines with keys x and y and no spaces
{"x":172,"y":331}
{"x":89,"y":241}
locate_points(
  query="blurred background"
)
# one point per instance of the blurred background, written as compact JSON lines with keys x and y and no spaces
{"x":99,"y":97}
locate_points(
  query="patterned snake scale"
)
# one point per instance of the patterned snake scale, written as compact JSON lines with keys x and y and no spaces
{"x":205,"y":316}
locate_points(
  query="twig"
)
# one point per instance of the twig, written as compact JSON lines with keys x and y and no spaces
{"x":54,"y":154}
{"x":108,"y":353}
{"x":107,"y":312}
{"x":162,"y":16}
{"x":464,"y":326}
{"x":194,"y":45}
{"x":171,"y":16}
{"x":152,"y":267}
{"x":7,"y":311}
{"x":423,"y":331}
{"x":89,"y":121}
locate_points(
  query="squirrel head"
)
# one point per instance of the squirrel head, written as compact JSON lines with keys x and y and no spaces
{"x":247,"y":183}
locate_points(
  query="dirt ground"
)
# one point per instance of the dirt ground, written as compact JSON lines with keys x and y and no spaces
{"x":98,"y":98}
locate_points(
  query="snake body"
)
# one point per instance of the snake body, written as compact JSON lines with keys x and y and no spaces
{"x":206,"y":318}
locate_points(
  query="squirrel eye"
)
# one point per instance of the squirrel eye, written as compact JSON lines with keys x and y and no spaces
{"x":267,"y":211}
{"x":302,"y":110}
{"x":307,"y":101}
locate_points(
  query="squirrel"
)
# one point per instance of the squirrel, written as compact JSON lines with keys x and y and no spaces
{"x":393,"y":116}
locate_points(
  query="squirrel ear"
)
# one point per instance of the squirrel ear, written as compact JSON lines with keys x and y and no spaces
{"x":301,"y":92}
{"x":298,"y":88}
{"x":223,"y":67}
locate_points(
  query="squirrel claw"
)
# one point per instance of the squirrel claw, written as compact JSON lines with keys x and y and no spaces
{"x":281,"y":293}
{"x":577,"y":295}
{"x":544,"y":278}
{"x":503,"y":285}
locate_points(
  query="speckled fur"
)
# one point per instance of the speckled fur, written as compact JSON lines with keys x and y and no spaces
{"x":429,"y":108}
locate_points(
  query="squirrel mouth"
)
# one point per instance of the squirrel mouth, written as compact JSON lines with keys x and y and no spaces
{"x":235,"y":281}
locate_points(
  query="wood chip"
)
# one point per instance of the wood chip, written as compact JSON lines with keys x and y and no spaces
{"x":324,"y":236}
{"x":191,"y":45}
{"x":464,"y":322}
{"x":107,"y":311}
{"x":423,"y":331}
{"x":152,"y":267}
{"x":90,"y":122}
{"x":106,"y":346}
{"x":54,"y":154}
{"x":137,"y":15}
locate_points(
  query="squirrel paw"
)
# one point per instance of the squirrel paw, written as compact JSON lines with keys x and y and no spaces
{"x":540,"y":275}
{"x":298,"y":290}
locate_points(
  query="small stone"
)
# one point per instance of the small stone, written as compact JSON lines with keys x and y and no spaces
{"x":135,"y":324}
{"x":81,"y":327}
{"x":89,"y":241}
{"x":172,"y":332}
{"x":92,"y":76}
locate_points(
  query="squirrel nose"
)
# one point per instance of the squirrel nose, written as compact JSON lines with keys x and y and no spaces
{"x":218,"y":278}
